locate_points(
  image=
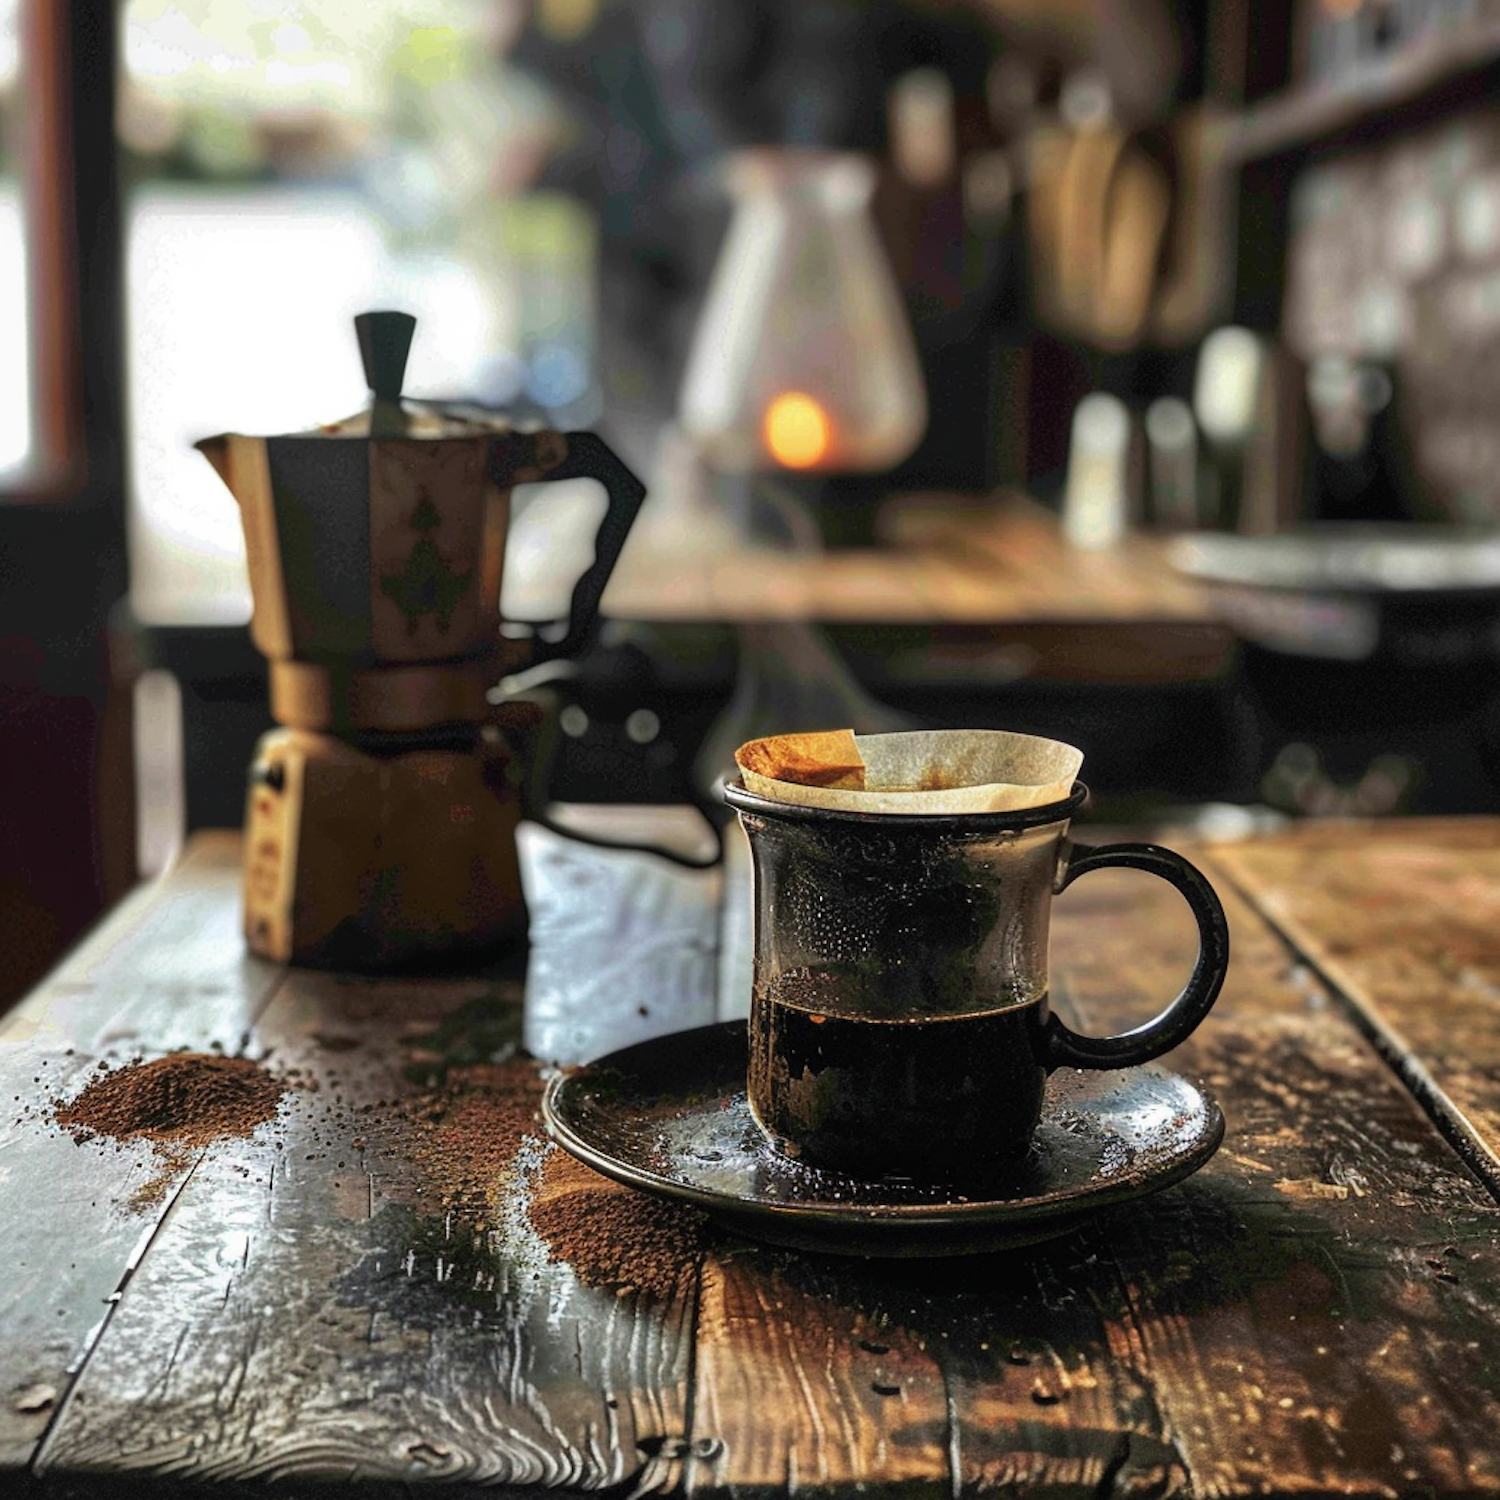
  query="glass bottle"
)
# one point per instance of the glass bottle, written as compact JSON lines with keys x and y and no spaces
{"x":803,"y":358}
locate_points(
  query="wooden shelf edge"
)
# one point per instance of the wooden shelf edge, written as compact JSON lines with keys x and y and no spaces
{"x":1302,"y":117}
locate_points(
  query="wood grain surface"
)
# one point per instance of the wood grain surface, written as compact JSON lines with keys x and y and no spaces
{"x":1403,"y":919}
{"x":360,"y":1292}
{"x":1317,"y":1308}
{"x":944,"y":559}
{"x":168,"y":970}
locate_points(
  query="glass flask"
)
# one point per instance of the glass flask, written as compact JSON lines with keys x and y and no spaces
{"x":803,"y":358}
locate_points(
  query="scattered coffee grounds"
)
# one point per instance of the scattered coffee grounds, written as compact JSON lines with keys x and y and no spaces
{"x":467,"y":1142}
{"x":177,"y":1103}
{"x":612,"y":1235}
{"x":466,"y":1136}
{"x":465,"y":1149}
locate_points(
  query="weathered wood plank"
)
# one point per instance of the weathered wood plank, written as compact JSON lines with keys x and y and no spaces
{"x":1319,"y":1308}
{"x":1403,"y":919}
{"x":357,"y":1293}
{"x":339,"y":1300}
{"x":167,"y":970}
{"x":1158,"y":1349}
{"x":799,"y":1390}
{"x":954,"y":563}
{"x":954,"y":1377}
{"x":1252,"y":1331}
{"x":1316,"y":1311}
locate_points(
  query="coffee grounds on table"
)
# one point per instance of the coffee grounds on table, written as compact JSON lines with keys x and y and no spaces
{"x":465,"y":1136}
{"x":466,"y":1142}
{"x":464,"y":1139}
{"x":177,"y":1103}
{"x":612,"y":1235}
{"x":189,"y":1098}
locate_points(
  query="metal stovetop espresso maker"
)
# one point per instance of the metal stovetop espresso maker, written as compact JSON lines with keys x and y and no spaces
{"x":381,"y":817}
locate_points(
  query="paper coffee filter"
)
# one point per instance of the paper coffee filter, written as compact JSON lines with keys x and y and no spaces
{"x":930,"y":771}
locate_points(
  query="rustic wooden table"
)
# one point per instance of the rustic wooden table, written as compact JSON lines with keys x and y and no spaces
{"x":988,"y":584}
{"x":358,"y":1291}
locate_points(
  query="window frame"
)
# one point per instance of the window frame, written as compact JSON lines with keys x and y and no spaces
{"x":74,"y":259}
{"x":67,"y":803}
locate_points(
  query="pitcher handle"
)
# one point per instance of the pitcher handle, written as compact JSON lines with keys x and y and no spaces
{"x":1065,"y":1047}
{"x":537,"y":457}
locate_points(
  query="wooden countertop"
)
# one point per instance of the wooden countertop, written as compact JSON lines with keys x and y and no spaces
{"x":1316,"y":1311}
{"x":943,"y":559}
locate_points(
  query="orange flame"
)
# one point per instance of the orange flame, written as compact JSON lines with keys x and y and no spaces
{"x":797,"y":431}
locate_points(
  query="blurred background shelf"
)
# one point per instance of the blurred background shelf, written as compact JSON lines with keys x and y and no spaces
{"x":1168,"y":268}
{"x":1431,"y":74}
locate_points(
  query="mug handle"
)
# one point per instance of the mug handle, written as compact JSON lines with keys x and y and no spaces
{"x":541,"y":457}
{"x":1064,"y":1047}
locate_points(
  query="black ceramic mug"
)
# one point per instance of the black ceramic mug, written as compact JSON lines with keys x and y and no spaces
{"x":899,"y":1022}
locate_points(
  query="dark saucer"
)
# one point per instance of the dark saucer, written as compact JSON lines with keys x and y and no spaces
{"x":670,"y":1116}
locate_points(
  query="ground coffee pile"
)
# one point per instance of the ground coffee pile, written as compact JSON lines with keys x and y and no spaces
{"x":612,"y":1235}
{"x":177,"y":1103}
{"x":190,"y":1098}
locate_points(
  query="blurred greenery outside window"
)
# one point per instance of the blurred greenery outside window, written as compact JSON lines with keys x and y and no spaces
{"x":288,"y":166}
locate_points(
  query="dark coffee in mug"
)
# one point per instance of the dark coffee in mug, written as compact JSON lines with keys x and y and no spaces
{"x":914,"y":1096}
{"x":899,"y":1023}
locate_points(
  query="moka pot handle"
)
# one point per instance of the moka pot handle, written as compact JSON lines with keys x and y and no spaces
{"x":541,"y":457}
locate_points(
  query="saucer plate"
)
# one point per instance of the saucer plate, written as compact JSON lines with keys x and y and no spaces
{"x":670,"y":1116}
